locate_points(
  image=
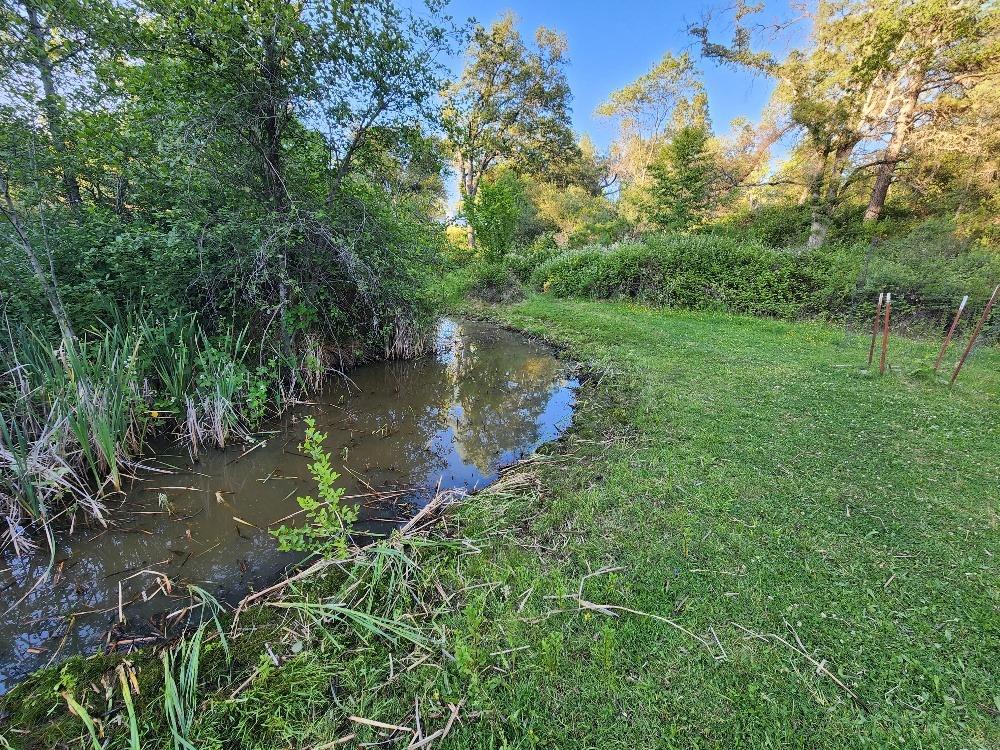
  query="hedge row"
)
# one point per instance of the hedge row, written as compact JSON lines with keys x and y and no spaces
{"x":745,"y":276}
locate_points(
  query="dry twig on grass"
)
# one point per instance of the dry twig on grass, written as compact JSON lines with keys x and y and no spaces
{"x":612,"y":610}
{"x":799,"y":648}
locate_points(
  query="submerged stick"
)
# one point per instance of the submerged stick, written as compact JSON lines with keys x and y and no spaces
{"x":951,"y":332}
{"x":975,"y":334}
{"x":885,"y":332}
{"x":875,"y":320}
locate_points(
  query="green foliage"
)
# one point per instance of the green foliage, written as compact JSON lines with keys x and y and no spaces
{"x":774,"y":225}
{"x":494,"y":214}
{"x":715,"y":271}
{"x":576,"y":214}
{"x":180,"y":688}
{"x":694,"y":272}
{"x":495,"y":283}
{"x":328,"y":523}
{"x":510,"y":106}
{"x":525,"y":261}
{"x":683,"y":172}
{"x":188,"y":196}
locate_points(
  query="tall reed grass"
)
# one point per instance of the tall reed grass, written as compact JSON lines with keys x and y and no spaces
{"x":75,"y":417}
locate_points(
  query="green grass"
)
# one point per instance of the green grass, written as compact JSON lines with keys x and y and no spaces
{"x":766,"y":505}
{"x":745,"y":476}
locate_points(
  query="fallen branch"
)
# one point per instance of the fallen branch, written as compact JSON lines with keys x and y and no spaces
{"x":611,"y":610}
{"x":305,"y":573}
{"x":432,"y":507}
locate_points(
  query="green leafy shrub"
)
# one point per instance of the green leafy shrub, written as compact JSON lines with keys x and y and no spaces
{"x":495,"y":283}
{"x":684,"y":271}
{"x":745,"y":276}
{"x":569,"y":274}
{"x":328,"y":524}
{"x":494,"y":214}
{"x":523,"y":263}
{"x":778,"y":225}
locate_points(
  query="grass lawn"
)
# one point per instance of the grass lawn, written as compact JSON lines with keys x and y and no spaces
{"x":745,"y":541}
{"x":748,"y":481}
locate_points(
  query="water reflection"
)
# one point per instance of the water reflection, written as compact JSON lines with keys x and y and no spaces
{"x":485,"y":398}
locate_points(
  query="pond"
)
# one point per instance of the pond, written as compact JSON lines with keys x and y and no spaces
{"x":397,"y":432}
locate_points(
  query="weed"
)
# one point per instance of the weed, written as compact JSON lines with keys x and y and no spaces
{"x":328,"y":523}
{"x":180,"y":687}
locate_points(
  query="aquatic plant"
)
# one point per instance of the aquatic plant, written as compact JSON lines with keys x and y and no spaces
{"x":172,"y":349}
{"x":75,"y":416}
{"x":77,"y":412}
{"x":34,"y":475}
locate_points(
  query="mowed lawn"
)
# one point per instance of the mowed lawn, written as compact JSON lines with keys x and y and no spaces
{"x":823,"y":541}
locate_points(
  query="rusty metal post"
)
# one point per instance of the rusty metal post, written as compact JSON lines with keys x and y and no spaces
{"x":975,"y":334}
{"x":951,"y":332}
{"x":878,"y":314}
{"x":885,"y":332}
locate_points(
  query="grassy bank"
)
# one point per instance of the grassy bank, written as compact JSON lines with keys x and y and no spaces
{"x":745,"y":540}
{"x":755,"y":487}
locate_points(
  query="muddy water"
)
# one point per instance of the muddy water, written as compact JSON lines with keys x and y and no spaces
{"x":400,"y":429}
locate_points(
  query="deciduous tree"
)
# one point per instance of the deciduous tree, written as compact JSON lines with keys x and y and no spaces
{"x":509,"y":106}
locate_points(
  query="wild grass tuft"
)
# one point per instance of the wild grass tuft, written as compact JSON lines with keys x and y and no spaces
{"x":75,"y":415}
{"x":180,"y":687}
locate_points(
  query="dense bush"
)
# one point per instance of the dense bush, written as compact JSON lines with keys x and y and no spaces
{"x":714,"y":271}
{"x":495,"y":283}
{"x":682,"y":271}
{"x":524,"y":262}
{"x":778,"y":225}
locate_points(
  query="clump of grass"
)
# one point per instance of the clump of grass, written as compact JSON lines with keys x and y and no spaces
{"x":127,"y":683}
{"x":75,"y":417}
{"x":407,"y":339}
{"x":378,"y":597}
{"x":207,"y":385}
{"x":180,"y":687}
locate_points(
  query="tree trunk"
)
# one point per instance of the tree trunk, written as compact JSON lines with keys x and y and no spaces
{"x":121,"y":195}
{"x":52,"y":105}
{"x":824,"y":203}
{"x":45,"y":279}
{"x":469,"y":187}
{"x":818,"y":228}
{"x":901,"y":131}
{"x":271,"y":110}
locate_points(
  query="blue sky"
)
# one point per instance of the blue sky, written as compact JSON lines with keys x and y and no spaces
{"x":613,"y":43}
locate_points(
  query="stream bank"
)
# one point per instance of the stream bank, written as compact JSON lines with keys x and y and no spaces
{"x":398,"y":431}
